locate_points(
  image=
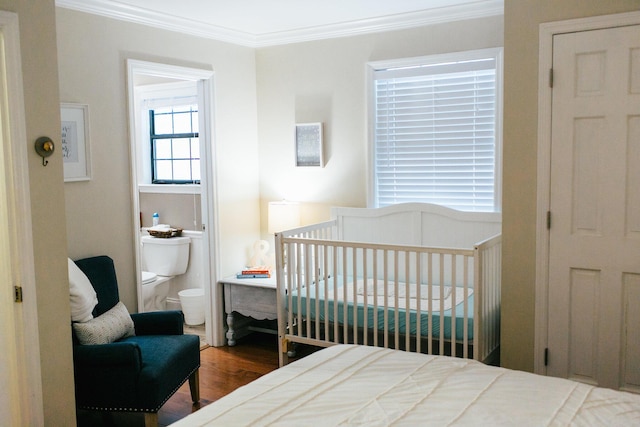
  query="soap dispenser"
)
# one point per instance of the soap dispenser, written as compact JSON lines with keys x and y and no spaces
{"x":156,"y":219}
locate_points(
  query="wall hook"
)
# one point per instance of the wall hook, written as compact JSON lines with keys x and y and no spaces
{"x":44,"y":148}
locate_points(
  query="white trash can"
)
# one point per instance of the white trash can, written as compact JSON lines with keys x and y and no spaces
{"x":192,"y":302}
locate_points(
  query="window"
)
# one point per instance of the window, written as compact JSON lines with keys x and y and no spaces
{"x":436,"y":130}
{"x":175,"y":149}
{"x":167,"y":135}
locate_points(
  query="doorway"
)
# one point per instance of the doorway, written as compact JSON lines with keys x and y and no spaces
{"x":588,"y":287}
{"x":196,"y":210}
{"x":21,"y":400}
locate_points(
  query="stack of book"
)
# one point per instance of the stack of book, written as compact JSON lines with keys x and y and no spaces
{"x":254,"y":273}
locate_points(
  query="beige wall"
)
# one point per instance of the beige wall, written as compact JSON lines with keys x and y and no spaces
{"x":325,"y":81}
{"x":522,"y":20}
{"x":40,"y":76}
{"x":179,"y":210}
{"x":93,"y":51}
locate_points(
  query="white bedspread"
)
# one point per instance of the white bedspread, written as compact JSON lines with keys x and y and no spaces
{"x":370,"y":386}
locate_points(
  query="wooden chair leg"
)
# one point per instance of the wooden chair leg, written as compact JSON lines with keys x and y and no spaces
{"x":150,"y":419}
{"x":194,"y":386}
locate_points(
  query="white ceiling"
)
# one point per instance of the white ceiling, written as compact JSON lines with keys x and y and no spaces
{"x":258,"y":23}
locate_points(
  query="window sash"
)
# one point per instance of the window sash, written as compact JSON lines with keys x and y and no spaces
{"x":435,"y":134}
{"x":175,"y":157}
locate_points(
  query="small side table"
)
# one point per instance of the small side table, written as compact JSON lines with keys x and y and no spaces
{"x":255,"y":298}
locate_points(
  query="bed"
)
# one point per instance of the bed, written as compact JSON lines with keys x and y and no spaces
{"x":373,"y":386}
{"x":417,"y":277}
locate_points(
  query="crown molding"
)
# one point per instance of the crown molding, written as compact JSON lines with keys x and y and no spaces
{"x":142,"y":16}
{"x":151,"y":18}
{"x":387,"y":23}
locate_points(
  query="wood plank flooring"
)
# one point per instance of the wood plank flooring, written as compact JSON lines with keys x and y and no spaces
{"x":222,"y":370}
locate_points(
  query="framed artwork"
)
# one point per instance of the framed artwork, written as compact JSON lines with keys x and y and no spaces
{"x":309,"y":150}
{"x":75,"y":142}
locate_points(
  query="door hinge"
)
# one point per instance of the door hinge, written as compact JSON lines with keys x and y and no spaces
{"x":17,"y":294}
{"x":548,"y":220}
{"x":550,"y":77}
{"x":546,"y":357}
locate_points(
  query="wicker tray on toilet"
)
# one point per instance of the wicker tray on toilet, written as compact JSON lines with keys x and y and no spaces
{"x":165,"y":234}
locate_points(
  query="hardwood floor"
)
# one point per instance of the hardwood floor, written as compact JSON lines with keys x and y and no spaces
{"x":222,"y":370}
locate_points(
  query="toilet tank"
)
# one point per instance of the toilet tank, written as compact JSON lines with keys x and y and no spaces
{"x":166,"y":256}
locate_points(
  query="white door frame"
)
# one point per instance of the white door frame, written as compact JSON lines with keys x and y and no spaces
{"x":210,"y":240}
{"x":19,"y":329}
{"x":545,"y":62}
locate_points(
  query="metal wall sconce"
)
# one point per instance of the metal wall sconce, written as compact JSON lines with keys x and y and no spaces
{"x":44,"y":148}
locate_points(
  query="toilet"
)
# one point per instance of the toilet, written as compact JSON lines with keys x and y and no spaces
{"x":154,"y":291}
{"x":163,"y":259}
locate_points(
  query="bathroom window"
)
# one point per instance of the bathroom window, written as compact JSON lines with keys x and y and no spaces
{"x":175,"y":148}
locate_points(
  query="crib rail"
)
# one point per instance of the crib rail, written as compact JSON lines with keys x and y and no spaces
{"x":395,"y":296}
{"x":488,"y":267}
{"x":324,"y":230}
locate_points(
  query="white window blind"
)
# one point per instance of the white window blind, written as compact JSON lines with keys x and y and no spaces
{"x":435,"y":134}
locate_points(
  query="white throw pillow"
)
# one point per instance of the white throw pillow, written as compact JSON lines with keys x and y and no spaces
{"x":106,"y":328}
{"x":83,"y":297}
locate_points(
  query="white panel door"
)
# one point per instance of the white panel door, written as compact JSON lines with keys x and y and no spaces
{"x":594,"y":240}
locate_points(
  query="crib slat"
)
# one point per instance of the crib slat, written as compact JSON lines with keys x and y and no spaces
{"x":385,"y":279}
{"x":441,"y":304}
{"x":325,"y":281}
{"x":453,"y":304}
{"x":418,"y":302}
{"x":396,"y":313}
{"x":407,"y":287}
{"x":354,"y":275}
{"x":345,"y":289}
{"x":336,"y":330}
{"x":430,"y":303}
{"x":316,"y":279}
{"x":365,"y":281}
{"x":465,"y":326}
{"x":374,"y":260}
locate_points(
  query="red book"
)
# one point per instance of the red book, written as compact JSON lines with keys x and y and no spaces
{"x":256,"y":270}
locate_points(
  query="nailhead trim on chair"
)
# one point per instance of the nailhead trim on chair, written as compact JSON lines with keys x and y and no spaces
{"x":99,"y":408}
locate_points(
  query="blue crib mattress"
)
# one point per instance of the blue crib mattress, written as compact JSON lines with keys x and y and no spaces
{"x":310,"y":302}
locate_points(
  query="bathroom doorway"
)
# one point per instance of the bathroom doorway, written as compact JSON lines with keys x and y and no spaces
{"x":180,"y":188}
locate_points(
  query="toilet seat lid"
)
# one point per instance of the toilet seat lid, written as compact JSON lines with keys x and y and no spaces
{"x":148,"y":277}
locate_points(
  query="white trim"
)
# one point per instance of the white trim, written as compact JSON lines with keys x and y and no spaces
{"x":28,"y":373}
{"x":370,"y":128}
{"x":214,"y":325}
{"x":438,"y":58}
{"x":387,"y":23}
{"x":545,"y":62}
{"x":168,"y":71}
{"x":169,"y":188}
{"x":205,"y":89}
{"x":151,"y":18}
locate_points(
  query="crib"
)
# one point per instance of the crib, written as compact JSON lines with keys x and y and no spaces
{"x":414,"y":277}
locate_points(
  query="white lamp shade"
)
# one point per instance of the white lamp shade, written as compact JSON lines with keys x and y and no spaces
{"x":283,"y":216}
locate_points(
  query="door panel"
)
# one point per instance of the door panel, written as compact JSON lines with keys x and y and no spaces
{"x":631,"y":336}
{"x":583,"y":335}
{"x":594,"y":240}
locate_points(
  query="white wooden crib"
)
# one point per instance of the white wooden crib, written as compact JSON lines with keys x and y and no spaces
{"x":416,"y":277}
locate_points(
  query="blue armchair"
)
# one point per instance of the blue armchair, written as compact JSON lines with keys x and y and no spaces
{"x":137,"y":373}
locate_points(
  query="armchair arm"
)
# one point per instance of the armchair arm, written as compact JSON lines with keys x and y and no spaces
{"x":168,"y":322}
{"x":124,"y":356}
{"x":106,"y":375}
